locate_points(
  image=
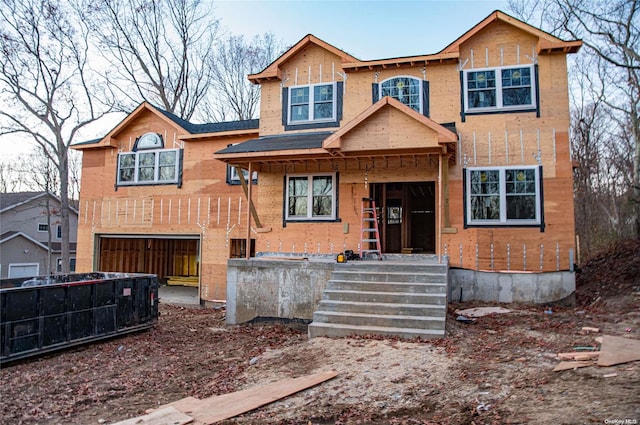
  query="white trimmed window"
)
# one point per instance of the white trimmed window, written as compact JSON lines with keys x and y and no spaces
{"x":43,"y":227}
{"x":148,"y":167}
{"x":407,"y":90}
{"x":502,"y":88}
{"x":72,"y":265}
{"x":312,"y":103}
{"x":503,"y":196}
{"x":311,"y":197}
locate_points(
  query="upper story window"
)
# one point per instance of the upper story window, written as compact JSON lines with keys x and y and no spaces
{"x":149,"y":163}
{"x":312,"y":103}
{"x":503,"y":196}
{"x":310,"y":197}
{"x":406,"y":90}
{"x":499,"y":89}
{"x":312,"y":106}
{"x":43,"y":227}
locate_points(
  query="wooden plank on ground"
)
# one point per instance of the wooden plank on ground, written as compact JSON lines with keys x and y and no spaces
{"x":213,"y":409}
{"x":615,"y":350}
{"x":572,"y":365}
{"x":579,"y":355}
{"x":167,"y":416}
{"x":183,"y":405}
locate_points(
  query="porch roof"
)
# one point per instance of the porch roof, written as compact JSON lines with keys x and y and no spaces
{"x":318,"y":146}
{"x":279,"y":142}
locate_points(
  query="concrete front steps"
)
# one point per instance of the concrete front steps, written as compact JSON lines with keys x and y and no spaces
{"x":406,"y":299}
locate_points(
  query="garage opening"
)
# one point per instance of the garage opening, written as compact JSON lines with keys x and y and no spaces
{"x":176,"y":261}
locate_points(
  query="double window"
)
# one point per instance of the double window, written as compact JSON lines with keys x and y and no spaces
{"x":503,"y":196}
{"x":495,"y":89}
{"x":312,"y":103}
{"x":312,"y":106}
{"x":311,"y":197}
{"x":149,"y":167}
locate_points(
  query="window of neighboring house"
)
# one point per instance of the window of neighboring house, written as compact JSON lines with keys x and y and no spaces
{"x":503,"y":196}
{"x":43,"y":227}
{"x":406,"y":90}
{"x":72,"y":265}
{"x":312,"y":106}
{"x":59,"y":231}
{"x":311,"y":197}
{"x":149,"y":167}
{"x":499,"y":89}
{"x":315,"y":102}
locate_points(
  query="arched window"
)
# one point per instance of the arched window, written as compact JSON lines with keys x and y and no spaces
{"x":404,"y":89}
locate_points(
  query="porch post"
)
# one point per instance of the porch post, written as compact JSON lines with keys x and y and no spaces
{"x":249,"y":204}
{"x":440,"y":206}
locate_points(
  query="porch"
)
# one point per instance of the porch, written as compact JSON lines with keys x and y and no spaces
{"x":403,"y":295}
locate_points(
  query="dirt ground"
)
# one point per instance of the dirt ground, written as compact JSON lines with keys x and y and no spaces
{"x":497,"y":370}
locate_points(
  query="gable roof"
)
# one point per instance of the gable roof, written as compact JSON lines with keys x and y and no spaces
{"x":7,"y":236}
{"x":547,"y":43}
{"x":55,"y":246}
{"x":181,"y":125}
{"x":273,"y":71}
{"x":9,"y":201}
{"x":334,"y":142}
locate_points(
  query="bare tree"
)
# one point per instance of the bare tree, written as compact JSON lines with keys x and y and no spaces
{"x":236,"y":98}
{"x":610,"y":32}
{"x":159,"y":50}
{"x":46,"y":81}
{"x":8,"y":180}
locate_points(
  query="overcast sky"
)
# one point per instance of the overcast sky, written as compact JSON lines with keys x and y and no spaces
{"x":365,"y":29}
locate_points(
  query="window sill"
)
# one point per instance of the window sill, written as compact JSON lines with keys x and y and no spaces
{"x":499,"y":111}
{"x":147,"y":184}
{"x":501,"y":225}
{"x":312,"y":124}
{"x":312,"y":220}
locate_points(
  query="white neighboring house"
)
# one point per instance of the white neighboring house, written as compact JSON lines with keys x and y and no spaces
{"x":25,"y":218}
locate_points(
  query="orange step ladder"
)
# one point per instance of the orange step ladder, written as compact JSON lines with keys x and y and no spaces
{"x":369,"y":232}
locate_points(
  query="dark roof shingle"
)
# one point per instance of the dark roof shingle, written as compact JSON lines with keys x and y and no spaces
{"x":214,"y":127}
{"x":8,"y":200}
{"x":279,"y":142}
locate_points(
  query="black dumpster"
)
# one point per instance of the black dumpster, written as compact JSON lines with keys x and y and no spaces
{"x":48,"y":313}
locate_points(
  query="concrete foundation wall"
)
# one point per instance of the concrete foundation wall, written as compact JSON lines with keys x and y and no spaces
{"x":505,"y":287}
{"x":289,"y":289}
{"x":292,"y":289}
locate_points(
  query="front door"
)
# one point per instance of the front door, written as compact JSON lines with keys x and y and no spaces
{"x":407,"y":216}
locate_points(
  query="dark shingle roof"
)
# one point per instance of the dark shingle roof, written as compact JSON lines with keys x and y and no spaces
{"x":279,"y":142}
{"x":87,"y":142}
{"x":5,"y":235}
{"x":8,"y":200}
{"x":211,"y":127}
{"x":451,"y":126}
